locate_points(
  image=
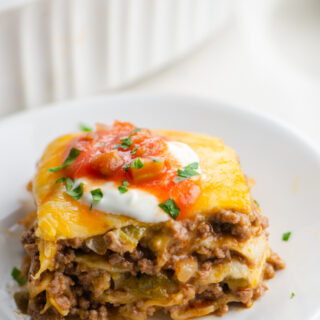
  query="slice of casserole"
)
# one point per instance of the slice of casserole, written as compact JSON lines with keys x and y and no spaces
{"x":130,"y":222}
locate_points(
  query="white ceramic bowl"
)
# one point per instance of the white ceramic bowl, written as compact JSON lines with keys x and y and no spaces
{"x":53,"y":50}
{"x":285,"y":165}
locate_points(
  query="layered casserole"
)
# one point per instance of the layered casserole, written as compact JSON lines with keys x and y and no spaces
{"x":131,"y":222}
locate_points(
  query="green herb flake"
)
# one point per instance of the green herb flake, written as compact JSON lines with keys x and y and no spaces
{"x":123,"y":187}
{"x":73,"y":154}
{"x":127,"y":167}
{"x":187,"y":172}
{"x":125,"y":183}
{"x":137,"y":129}
{"x":126,"y":143}
{"x":286,"y":236}
{"x":137,"y":164}
{"x":171,"y":208}
{"x":85,"y":128}
{"x":97,"y":195}
{"x":76,"y":193}
{"x":156,"y":160}
{"x":69,"y":184}
{"x":257,"y":203}
{"x":134,"y":150}
{"x":62,"y":179}
{"x":68,"y":181}
{"x":16,"y":275}
{"x":292,"y":295}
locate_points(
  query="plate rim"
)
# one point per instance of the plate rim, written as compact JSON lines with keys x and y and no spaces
{"x":271,"y":119}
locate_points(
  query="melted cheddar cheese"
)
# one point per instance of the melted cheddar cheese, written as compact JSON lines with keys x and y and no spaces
{"x":222,"y":184}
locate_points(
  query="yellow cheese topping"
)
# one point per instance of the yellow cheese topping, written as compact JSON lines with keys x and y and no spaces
{"x":223,"y":186}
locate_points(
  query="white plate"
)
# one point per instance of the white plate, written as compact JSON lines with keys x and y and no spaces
{"x":285,"y":166}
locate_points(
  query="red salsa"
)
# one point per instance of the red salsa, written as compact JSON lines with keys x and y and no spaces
{"x":122,"y":152}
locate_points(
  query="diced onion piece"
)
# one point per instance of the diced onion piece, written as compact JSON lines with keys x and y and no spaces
{"x":61,"y":303}
{"x":186,"y":268}
{"x":107,"y":163}
{"x":102,"y":127}
{"x":150,"y":170}
{"x":39,"y":286}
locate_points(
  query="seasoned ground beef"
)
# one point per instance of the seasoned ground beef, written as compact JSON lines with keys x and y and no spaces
{"x":276,"y":261}
{"x":81,"y":292}
{"x":142,"y":259}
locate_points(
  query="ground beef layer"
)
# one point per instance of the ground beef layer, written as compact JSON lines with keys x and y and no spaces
{"x":144,"y":270}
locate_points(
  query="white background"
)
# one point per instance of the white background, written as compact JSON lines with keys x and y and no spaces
{"x":266,"y":57}
{"x":280,"y":77}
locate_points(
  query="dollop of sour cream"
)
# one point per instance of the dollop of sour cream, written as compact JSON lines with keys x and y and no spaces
{"x":135,"y":203}
{"x":183,"y":153}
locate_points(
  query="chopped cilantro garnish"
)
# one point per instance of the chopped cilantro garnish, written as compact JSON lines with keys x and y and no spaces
{"x":171,"y":208}
{"x":134,"y":150}
{"x":16,"y":275}
{"x":126,"y":143}
{"x":286,"y":236}
{"x":127,"y":167}
{"x":187,"y":172}
{"x":123,"y":187}
{"x":69,"y":182}
{"x":76,"y":193}
{"x":137,"y":164}
{"x":125,"y":183}
{"x":156,"y":160}
{"x":97,"y":195}
{"x":62,"y":179}
{"x":137,"y":129}
{"x":85,"y":128}
{"x":292,"y":295}
{"x":73,"y":154}
{"x":257,"y":203}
